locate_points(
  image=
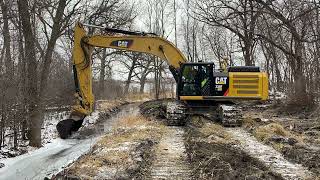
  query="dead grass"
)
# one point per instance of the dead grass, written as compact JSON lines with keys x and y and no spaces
{"x":132,"y":121}
{"x":197,"y":121}
{"x":264,"y":133}
{"x":214,"y":132}
{"x":250,"y":119}
{"x":109,"y":104}
{"x":138,"y":97}
{"x":249,"y":122}
{"x":131,"y":129}
{"x":114,"y":150}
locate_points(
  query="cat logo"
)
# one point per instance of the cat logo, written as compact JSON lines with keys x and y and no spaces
{"x":123,"y":44}
{"x":221,"y":80}
{"x":126,"y":43}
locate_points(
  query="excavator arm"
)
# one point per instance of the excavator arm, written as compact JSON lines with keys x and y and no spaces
{"x":83,"y":47}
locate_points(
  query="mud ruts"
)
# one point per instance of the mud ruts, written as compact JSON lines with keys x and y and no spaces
{"x":170,"y":156}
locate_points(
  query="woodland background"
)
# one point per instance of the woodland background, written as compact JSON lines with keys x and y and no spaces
{"x":282,"y":37}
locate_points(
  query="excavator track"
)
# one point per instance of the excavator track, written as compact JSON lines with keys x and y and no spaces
{"x":228,"y":115}
{"x":176,"y":113}
{"x":232,"y":116}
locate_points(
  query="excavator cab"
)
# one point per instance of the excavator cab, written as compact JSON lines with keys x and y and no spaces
{"x":196,"y":79}
{"x":201,"y":81}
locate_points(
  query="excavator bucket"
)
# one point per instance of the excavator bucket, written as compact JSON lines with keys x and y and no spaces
{"x":67,"y":126}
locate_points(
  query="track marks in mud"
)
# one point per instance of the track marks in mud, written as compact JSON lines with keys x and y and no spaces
{"x":170,"y":158}
{"x":269,"y":156}
{"x":213,"y":154}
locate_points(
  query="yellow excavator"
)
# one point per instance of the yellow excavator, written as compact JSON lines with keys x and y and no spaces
{"x":200,"y":87}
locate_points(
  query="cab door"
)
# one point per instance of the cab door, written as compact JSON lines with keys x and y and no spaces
{"x":196,"y":80}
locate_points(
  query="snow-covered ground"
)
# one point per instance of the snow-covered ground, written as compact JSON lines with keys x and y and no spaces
{"x":54,"y":156}
{"x":49,"y":133}
{"x":38,"y":163}
{"x":45,"y":161}
{"x":277,"y":95}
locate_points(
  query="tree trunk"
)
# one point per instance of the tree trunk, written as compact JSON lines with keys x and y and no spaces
{"x":102,"y":73}
{"x":55,"y":34}
{"x":247,"y":52}
{"x":156,"y":78}
{"x":22,"y":85}
{"x":143,"y":82}
{"x":35,"y":124}
{"x":175,"y":23}
{"x":6,"y":40}
{"x":277,"y":72}
{"x":2,"y":123}
{"x":300,"y":93}
{"x":144,"y":75}
{"x":127,"y":85}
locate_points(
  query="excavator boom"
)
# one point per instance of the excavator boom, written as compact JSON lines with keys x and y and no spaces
{"x":83,"y":47}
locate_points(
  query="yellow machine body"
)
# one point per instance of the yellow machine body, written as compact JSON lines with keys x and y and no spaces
{"x":248,"y":85}
{"x":242,"y":85}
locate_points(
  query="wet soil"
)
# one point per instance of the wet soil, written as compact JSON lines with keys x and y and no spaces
{"x":221,"y":159}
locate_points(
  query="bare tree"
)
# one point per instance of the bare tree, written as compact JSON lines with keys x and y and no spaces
{"x":32,"y":77}
{"x":239,"y":17}
{"x":7,"y":39}
{"x":293,"y":37}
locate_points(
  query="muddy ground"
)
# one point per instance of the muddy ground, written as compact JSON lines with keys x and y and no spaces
{"x":293,"y":131}
{"x":131,"y":149}
{"x":213,"y":154}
